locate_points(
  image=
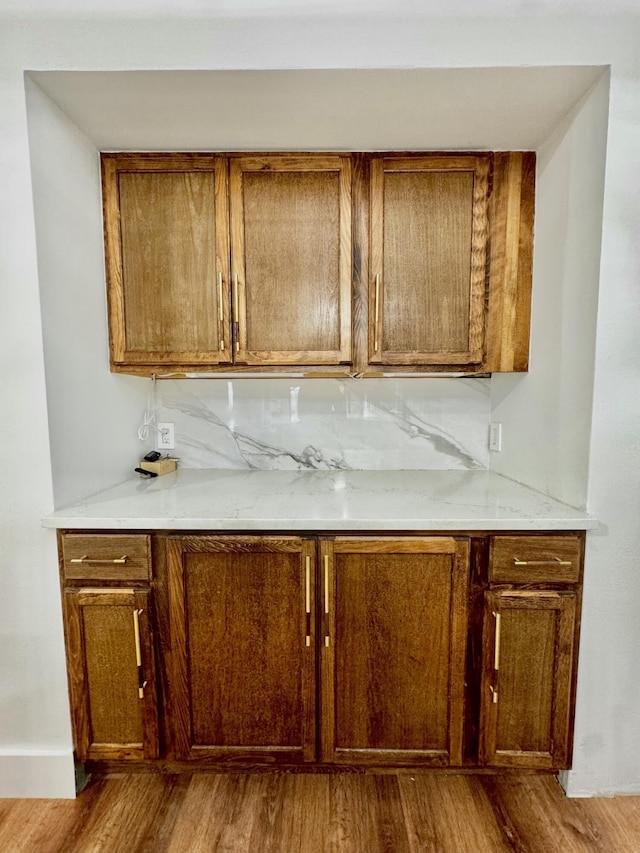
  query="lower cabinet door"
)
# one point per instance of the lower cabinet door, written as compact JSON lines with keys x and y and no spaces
{"x":112,"y":681}
{"x":393,"y":642}
{"x":242,"y":664}
{"x":528,"y":657}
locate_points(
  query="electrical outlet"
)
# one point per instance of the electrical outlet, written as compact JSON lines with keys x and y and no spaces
{"x":495,"y":437}
{"x":166,"y":437}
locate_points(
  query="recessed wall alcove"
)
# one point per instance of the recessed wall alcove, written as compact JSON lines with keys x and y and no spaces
{"x":561,"y":112}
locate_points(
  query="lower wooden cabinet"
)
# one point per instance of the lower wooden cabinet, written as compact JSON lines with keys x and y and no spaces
{"x":529,"y":650}
{"x":393,"y":650}
{"x":242,"y":665}
{"x":343,"y":650}
{"x":111,"y":669}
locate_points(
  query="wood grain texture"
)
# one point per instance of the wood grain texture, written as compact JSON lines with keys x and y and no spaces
{"x":428,"y":812}
{"x":291,"y":258}
{"x":529,"y":724}
{"x":511,"y":216}
{"x":167,"y":245}
{"x":246,"y":680}
{"x":429,"y":231}
{"x":110,"y":719}
{"x":547,"y":558}
{"x":100,"y":550}
{"x":473,"y":678}
{"x":331,"y":308}
{"x":360,"y":231}
{"x":393,"y":673}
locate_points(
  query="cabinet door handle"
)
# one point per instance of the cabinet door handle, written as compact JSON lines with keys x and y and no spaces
{"x":496,"y":651}
{"x":496,"y":658}
{"x":236,"y":311}
{"x":88,"y":561}
{"x":136,"y":633}
{"x":221,"y":310}
{"x":557,"y":561}
{"x":326,"y":583}
{"x":326,"y":597}
{"x":307,"y":598}
{"x":376,"y":313}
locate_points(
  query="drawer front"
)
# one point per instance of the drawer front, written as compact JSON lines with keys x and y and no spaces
{"x":106,"y":557}
{"x":535,"y":559}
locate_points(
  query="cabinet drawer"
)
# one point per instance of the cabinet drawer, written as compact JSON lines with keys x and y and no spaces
{"x":535,"y":559}
{"x":106,"y":557}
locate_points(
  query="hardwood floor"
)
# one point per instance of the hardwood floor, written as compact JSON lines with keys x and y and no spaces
{"x":271,"y":812}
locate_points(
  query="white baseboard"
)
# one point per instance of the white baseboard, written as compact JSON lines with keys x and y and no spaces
{"x":37,"y":773}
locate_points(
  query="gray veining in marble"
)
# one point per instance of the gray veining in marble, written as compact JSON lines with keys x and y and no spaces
{"x":328,"y":424}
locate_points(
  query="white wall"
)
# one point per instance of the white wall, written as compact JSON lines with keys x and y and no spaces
{"x":33,"y":690}
{"x":35,"y":748}
{"x":93,"y":414}
{"x":608,"y":687}
{"x":546,"y":413}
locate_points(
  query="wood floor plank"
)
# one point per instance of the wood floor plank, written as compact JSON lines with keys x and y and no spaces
{"x":306,"y":816}
{"x":122,"y":814}
{"x":352,"y":824}
{"x":266,"y":803}
{"x":534,"y":811}
{"x":46,"y":826}
{"x":169,"y":807}
{"x":449,"y":814}
{"x":279,"y":812}
{"x":391,"y":825}
{"x":206,"y":808}
{"x":618,"y":818}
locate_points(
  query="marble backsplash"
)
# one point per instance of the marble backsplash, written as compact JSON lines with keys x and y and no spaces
{"x":365,"y":424}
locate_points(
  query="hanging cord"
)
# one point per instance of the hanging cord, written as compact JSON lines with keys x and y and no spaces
{"x":148,"y":426}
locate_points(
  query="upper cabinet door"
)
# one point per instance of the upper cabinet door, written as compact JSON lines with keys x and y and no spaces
{"x":167,"y":254}
{"x":429,"y":233}
{"x":291,"y":259}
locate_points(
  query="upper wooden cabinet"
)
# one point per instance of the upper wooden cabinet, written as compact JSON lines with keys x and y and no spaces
{"x":291,"y":259}
{"x":346,"y":263}
{"x":450,"y":257}
{"x":167,"y":256}
{"x":429,"y":229}
{"x":181,"y":295}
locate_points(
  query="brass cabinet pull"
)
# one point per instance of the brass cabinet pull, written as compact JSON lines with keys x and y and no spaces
{"x":136,"y":633}
{"x":376,"y":313}
{"x":307,"y":598}
{"x":326,"y":583}
{"x":88,"y":561}
{"x":236,"y":311}
{"x":496,"y":657}
{"x":326,"y":595}
{"x":557,"y":561}
{"x":496,"y":653}
{"x":221,"y":310}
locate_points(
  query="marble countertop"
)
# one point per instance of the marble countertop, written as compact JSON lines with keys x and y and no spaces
{"x":232,"y":500}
